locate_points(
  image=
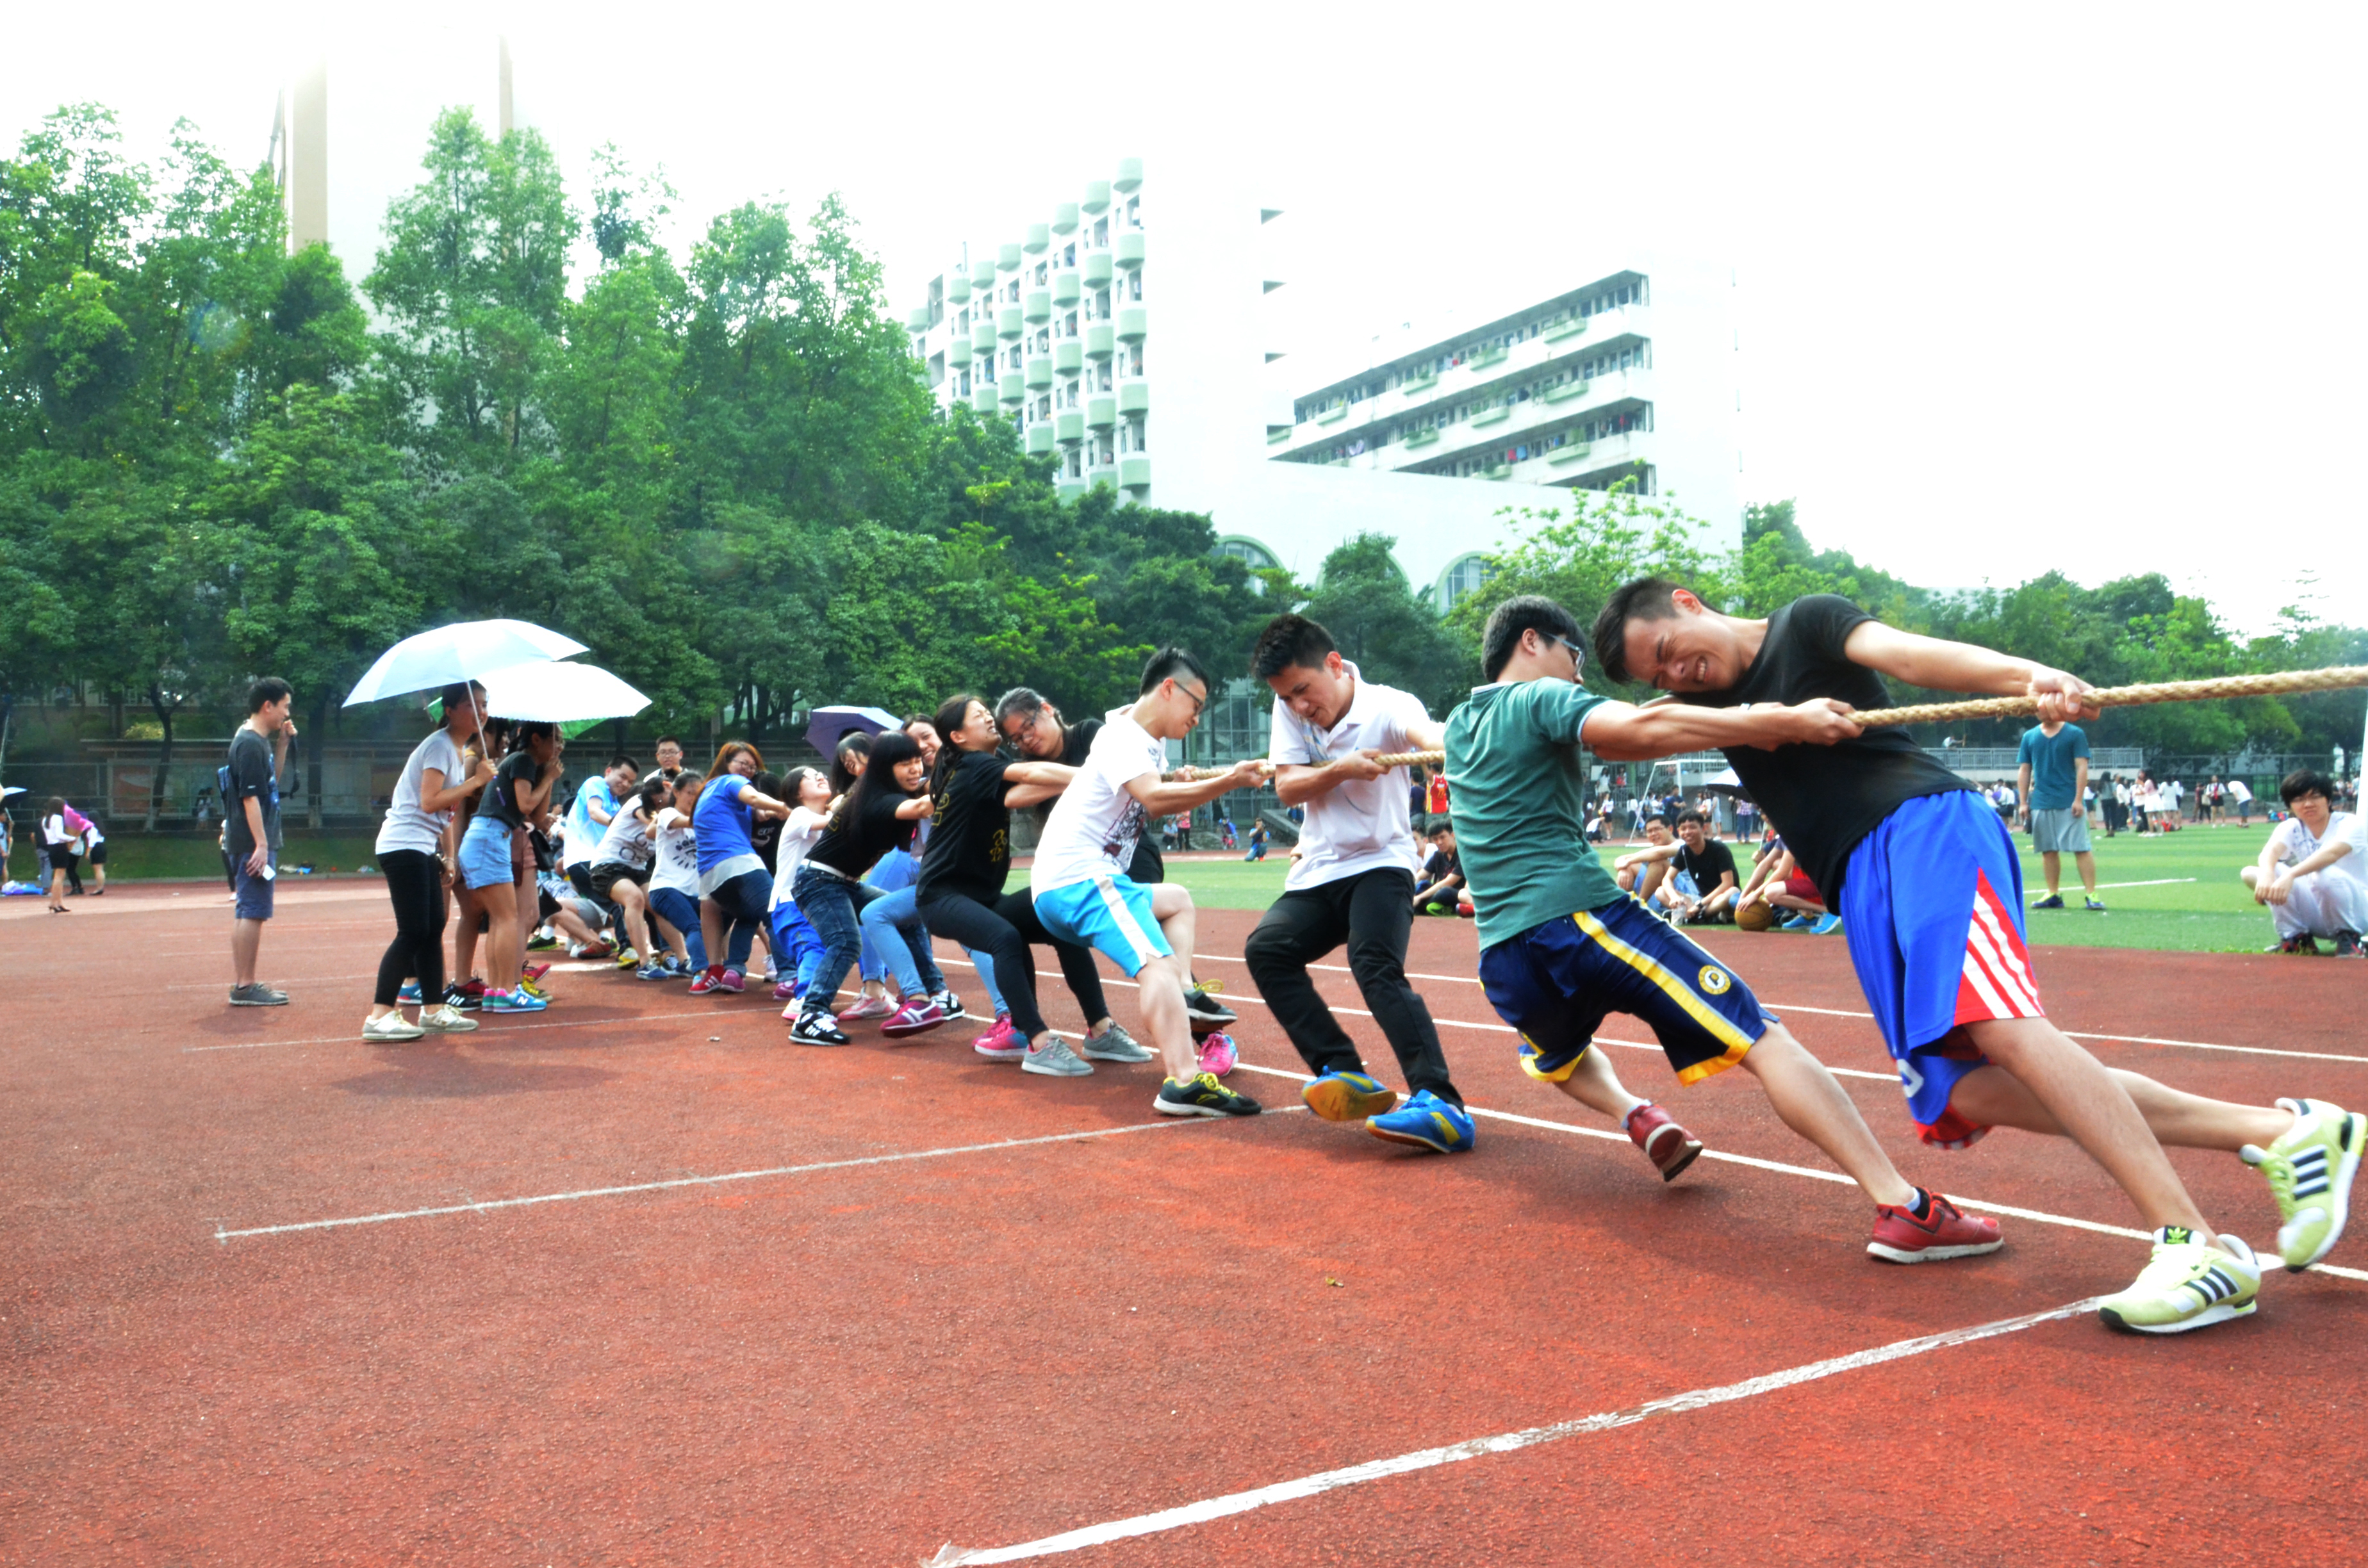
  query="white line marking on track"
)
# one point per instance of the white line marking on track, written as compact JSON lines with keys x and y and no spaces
{"x":490,"y":1204}
{"x":2151,"y":883}
{"x":1504,"y":1442}
{"x":355,"y":1037}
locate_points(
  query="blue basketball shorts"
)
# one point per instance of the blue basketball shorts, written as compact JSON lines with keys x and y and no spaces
{"x":1555,"y":982}
{"x":1110,"y":915}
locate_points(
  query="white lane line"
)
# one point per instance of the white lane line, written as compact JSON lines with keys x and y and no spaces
{"x":1322,"y":1481}
{"x":1852,"y":1013}
{"x":2038,"y":1216}
{"x":2152,"y":882}
{"x":492,"y":1204}
{"x":354,"y":1036}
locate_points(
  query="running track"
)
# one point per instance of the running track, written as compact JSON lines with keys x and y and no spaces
{"x":939,"y":1302}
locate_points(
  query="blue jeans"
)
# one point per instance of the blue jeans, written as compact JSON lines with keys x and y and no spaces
{"x":897,"y":913}
{"x":984,"y":962}
{"x":678,"y":910}
{"x":834,"y":907}
{"x":744,"y":902}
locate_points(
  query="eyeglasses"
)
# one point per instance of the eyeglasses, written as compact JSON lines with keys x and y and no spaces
{"x":1578,"y":653}
{"x":1025,"y":726}
{"x":1200,"y":698}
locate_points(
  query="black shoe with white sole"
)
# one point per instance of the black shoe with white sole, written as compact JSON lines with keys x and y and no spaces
{"x":817,"y":1028}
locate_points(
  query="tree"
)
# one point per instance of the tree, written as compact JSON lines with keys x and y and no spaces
{"x":1390,"y":633}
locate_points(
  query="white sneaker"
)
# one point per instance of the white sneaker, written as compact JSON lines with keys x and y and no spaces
{"x":390,"y":1026}
{"x":447,"y":1019}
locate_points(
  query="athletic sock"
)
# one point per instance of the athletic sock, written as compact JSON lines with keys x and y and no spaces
{"x":1922,"y":1207}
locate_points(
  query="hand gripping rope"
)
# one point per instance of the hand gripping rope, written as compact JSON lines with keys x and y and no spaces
{"x":2279,"y":684}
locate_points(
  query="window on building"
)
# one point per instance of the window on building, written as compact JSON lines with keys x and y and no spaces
{"x":1134,"y":284}
{"x":1101,"y":233}
{"x":1464,"y":576}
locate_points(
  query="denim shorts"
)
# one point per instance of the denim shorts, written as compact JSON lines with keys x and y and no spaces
{"x":486,"y":853}
{"x":254,"y":891}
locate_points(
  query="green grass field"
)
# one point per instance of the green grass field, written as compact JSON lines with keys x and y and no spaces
{"x":132,"y":857}
{"x":2186,"y":898}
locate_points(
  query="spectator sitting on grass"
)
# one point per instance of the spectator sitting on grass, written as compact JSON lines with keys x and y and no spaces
{"x":2313,"y":873}
{"x":1779,"y":882}
{"x":1640,"y":871}
{"x":1443,"y":874}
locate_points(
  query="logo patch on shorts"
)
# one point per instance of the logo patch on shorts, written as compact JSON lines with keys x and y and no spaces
{"x":1714,"y":980}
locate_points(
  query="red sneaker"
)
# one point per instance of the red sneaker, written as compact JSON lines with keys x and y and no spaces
{"x":709,"y":980}
{"x":1669,"y":1146}
{"x":1946,"y":1232}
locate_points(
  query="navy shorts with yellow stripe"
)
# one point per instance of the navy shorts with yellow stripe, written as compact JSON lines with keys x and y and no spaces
{"x":1555,"y":983}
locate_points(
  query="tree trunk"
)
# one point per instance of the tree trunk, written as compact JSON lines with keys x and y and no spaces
{"x":163,"y":759}
{"x":316,"y":736}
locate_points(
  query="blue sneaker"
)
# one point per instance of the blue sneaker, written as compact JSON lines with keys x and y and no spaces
{"x":1428,"y":1120}
{"x":410,"y":992}
{"x":1798,"y":923}
{"x":651,"y":972}
{"x":1825,"y":926}
{"x":1346,"y":1096}
{"x":517,"y":1001}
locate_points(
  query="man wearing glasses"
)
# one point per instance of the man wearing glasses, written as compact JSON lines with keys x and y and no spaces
{"x":1081,"y":890}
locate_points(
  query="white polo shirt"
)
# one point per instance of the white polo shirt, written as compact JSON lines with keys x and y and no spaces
{"x":1363,"y":825}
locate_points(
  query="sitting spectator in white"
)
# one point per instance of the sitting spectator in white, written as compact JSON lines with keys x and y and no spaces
{"x":1640,"y":871}
{"x":2314,"y":871}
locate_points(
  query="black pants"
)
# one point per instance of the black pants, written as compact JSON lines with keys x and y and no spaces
{"x":415,"y":883}
{"x":1372,"y":913}
{"x":1005,"y":930}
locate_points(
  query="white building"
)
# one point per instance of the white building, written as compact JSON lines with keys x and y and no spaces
{"x":1138,"y":334}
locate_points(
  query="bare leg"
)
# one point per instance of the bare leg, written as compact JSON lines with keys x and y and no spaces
{"x":246,"y":941}
{"x":500,"y":901}
{"x":1813,"y":1104}
{"x":470,"y":903}
{"x":1593,"y":1085}
{"x":1178,"y":922}
{"x":1162,"y":998}
{"x":2051,"y":866}
{"x":2095,"y":1110}
{"x":2175,"y":1117}
{"x":633,"y":905}
{"x":2087,"y":863}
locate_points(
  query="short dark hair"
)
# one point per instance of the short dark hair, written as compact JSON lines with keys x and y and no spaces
{"x":674,"y":741}
{"x":1440,"y":823}
{"x":1685,"y":817}
{"x":1024,"y":700}
{"x":1168,"y":664}
{"x":1290,"y":640}
{"x":1647,"y":598}
{"x":620,"y":759}
{"x":271,"y":688}
{"x":1523,"y":612}
{"x":2305,"y":782}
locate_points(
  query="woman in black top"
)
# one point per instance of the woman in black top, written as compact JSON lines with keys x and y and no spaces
{"x":875,"y":816}
{"x":968,"y":858}
{"x":519,"y":794}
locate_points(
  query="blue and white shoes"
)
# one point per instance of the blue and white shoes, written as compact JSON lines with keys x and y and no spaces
{"x":1337,"y":1096}
{"x":1427,"y":1121}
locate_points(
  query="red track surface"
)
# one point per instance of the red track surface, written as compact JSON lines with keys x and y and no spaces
{"x":856,"y":1364}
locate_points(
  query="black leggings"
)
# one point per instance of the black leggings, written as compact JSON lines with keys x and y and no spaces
{"x":416,"y":882}
{"x":1004,"y":930}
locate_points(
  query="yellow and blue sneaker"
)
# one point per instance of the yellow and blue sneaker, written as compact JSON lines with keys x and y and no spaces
{"x":1337,"y":1096}
{"x":2309,"y":1170}
{"x":2187,"y":1284}
{"x":1426,"y":1120}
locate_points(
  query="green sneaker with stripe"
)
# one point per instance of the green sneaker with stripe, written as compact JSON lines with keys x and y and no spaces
{"x":2309,"y":1171}
{"x":2189,"y":1284}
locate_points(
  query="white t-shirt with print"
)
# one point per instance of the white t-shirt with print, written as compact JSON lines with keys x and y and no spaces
{"x":626,"y":840}
{"x":1365,"y":824}
{"x":677,"y":854}
{"x":2296,"y":845}
{"x":407,"y":826}
{"x":800,"y":834}
{"x":1096,"y":823}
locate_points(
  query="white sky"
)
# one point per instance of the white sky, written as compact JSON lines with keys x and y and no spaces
{"x":2025,"y":288}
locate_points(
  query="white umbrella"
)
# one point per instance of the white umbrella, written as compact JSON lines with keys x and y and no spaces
{"x":559,"y":694}
{"x":464,"y":651}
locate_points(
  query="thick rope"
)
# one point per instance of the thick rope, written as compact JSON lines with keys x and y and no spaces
{"x":2278,"y":684}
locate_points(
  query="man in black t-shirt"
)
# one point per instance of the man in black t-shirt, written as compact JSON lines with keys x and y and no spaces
{"x":259,"y":756}
{"x":1709,"y":868}
{"x":1930,"y":889}
{"x":1442,"y":875}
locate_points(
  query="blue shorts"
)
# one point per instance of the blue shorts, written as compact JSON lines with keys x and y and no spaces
{"x":1932,"y":902}
{"x":486,"y":853}
{"x":1110,"y":913}
{"x":1554,"y":982}
{"x":254,"y":891}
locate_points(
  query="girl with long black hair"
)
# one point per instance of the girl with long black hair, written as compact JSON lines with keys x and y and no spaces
{"x":878,"y":814}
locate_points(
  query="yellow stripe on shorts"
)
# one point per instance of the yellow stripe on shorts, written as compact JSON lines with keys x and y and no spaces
{"x":1721,"y":1028}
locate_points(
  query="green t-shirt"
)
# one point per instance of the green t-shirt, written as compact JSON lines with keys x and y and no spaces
{"x":1519,"y":799}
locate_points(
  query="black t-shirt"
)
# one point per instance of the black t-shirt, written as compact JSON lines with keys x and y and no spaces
{"x":968,"y":850}
{"x":250,"y":776}
{"x":1825,"y":798}
{"x":1707,"y":868}
{"x":861,"y":832}
{"x":1442,"y":864}
{"x":1147,"y":868}
{"x":517,"y":770}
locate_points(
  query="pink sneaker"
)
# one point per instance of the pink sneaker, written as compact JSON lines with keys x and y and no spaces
{"x":1002,"y":1042}
{"x":914,"y":1018}
{"x":734,"y":981}
{"x":1218,"y":1055}
{"x":869,"y":1007}
{"x":786,"y":991}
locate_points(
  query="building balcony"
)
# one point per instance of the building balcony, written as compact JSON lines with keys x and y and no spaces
{"x":1501,"y":471}
{"x":982,"y":276}
{"x":1065,"y":217}
{"x":1039,"y":306}
{"x":1069,"y":357}
{"x":1483,"y":359}
{"x":1590,"y":464}
{"x":1096,"y":197}
{"x":982,"y":397}
{"x":1097,"y":268}
{"x":1008,"y":323}
{"x":1130,"y":174}
{"x":1563,"y":330}
{"x":1069,"y":427}
{"x":1006,"y":258}
{"x":958,"y":289}
{"x":918,"y":322}
{"x":1423,"y":438}
{"x":1013,"y":389}
{"x":1415,"y":388}
{"x":1132,"y":323}
{"x":1105,"y":473}
{"x":1039,"y":373}
{"x":1067,"y":289}
{"x":1562,"y":457}
{"x":1101,"y":412}
{"x":1133,"y":397}
{"x":1134,"y":471}
{"x":1563,"y":392}
{"x":1040,"y":239}
{"x":1496,"y":415}
{"x":958,"y":351}
{"x":1069,"y":489}
{"x":1128,"y":251}
{"x":1039,"y":439}
{"x":1100,"y":341}
{"x":982,"y":338}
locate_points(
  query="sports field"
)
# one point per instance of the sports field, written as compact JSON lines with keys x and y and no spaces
{"x":636,"y":1282}
{"x":2178,"y":892}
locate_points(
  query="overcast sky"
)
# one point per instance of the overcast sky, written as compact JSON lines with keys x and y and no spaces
{"x":2023,"y":287}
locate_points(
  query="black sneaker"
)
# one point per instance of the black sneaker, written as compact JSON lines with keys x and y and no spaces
{"x":2301,"y":944}
{"x":466,"y":1000}
{"x":817,"y":1028}
{"x":1201,"y":1006}
{"x":2053,"y":901}
{"x":1201,"y":1095}
{"x":950,"y":1004}
{"x":2346,"y":944}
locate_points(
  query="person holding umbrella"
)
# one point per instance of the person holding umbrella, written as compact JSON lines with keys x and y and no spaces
{"x":417,"y":851}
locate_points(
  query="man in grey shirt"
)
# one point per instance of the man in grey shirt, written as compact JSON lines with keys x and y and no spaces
{"x":258,"y":755}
